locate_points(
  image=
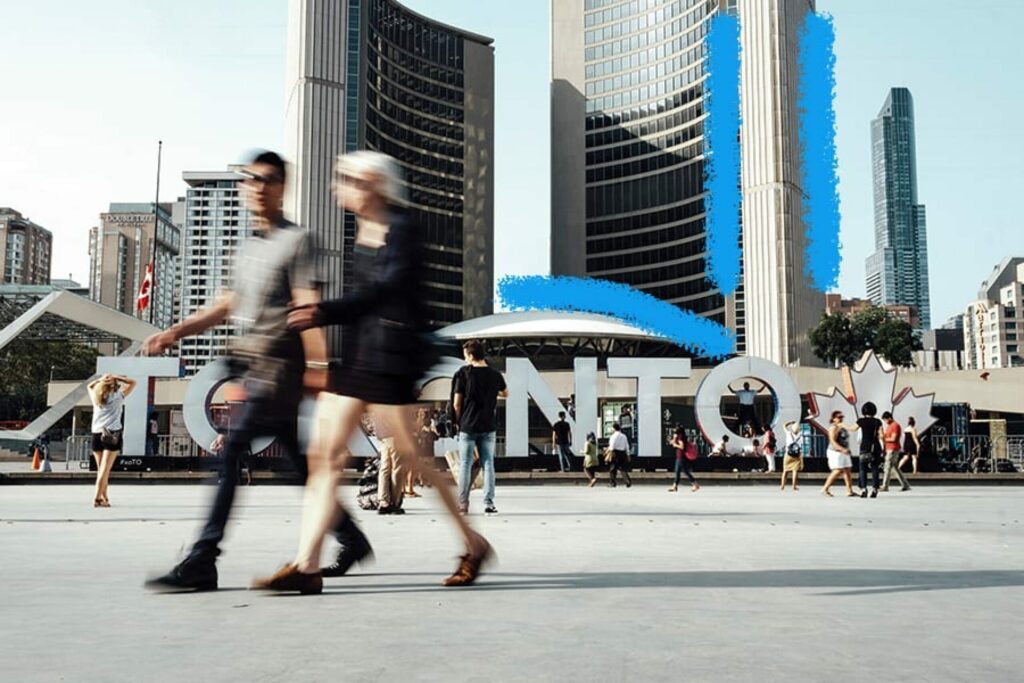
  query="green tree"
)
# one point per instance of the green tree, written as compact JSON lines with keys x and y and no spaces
{"x":840,"y":338}
{"x":896,"y":341}
{"x":832,"y":340}
{"x":27,"y":367}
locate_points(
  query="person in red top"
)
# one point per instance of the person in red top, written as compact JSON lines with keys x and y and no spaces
{"x":891,"y":435}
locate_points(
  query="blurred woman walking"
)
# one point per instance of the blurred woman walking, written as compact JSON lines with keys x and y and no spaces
{"x":383,"y":358}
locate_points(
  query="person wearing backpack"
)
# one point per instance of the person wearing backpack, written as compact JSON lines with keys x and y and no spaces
{"x":686,"y":451}
{"x":793,"y":460}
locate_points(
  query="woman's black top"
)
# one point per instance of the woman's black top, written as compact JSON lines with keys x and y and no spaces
{"x":909,"y":447}
{"x":843,"y":437}
{"x":383,"y":317}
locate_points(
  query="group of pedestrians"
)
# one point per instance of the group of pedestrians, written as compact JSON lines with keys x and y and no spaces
{"x":281,"y":355}
{"x":881,"y":444}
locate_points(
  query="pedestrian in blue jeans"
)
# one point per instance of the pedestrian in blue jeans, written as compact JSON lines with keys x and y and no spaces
{"x":561,"y":441}
{"x":477,"y":387}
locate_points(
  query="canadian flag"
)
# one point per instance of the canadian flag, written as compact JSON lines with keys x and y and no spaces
{"x":147,"y":285}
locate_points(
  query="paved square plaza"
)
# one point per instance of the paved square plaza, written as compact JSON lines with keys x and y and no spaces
{"x":731,"y":583}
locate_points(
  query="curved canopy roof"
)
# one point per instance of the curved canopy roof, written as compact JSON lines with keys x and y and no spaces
{"x":546,"y":324}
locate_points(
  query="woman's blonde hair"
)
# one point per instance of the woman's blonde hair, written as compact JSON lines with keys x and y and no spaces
{"x":107,"y":387}
{"x":363,"y":163}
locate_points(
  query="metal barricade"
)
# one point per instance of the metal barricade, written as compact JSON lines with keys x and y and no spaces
{"x":77,"y":451}
{"x":1015,"y":451}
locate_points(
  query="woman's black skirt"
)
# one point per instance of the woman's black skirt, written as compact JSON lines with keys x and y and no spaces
{"x":388,"y":390}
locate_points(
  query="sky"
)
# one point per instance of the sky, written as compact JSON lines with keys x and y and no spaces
{"x":89,"y":88}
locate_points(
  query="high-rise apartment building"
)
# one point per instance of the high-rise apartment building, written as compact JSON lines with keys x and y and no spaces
{"x":897,"y":272}
{"x":993,"y":326}
{"x":627,"y":167}
{"x":25,"y":250}
{"x":215,"y":222}
{"x":129,"y":237}
{"x":372,"y":74}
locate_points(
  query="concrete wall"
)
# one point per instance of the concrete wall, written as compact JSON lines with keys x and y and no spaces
{"x":568,"y":153}
{"x":478,"y":211}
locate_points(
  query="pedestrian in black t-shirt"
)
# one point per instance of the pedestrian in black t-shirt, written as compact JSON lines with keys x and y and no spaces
{"x":870,"y":448}
{"x":561,"y":442}
{"x":476,"y":390}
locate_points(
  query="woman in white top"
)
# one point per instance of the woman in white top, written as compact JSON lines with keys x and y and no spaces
{"x":839,"y":460}
{"x":107,"y":395}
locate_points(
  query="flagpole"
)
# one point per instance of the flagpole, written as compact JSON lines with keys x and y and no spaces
{"x":156,"y":226}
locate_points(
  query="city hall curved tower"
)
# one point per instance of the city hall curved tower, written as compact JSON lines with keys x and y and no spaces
{"x":627,"y":182}
{"x":627,"y":171}
{"x":373,"y":74}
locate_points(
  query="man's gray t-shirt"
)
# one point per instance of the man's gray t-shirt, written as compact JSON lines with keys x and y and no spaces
{"x":267,"y":268}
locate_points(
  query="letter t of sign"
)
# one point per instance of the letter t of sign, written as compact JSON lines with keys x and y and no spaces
{"x":648,"y":373}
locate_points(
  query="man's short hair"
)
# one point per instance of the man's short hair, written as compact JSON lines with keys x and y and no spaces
{"x":887,"y":415}
{"x":271,"y":159}
{"x":561,"y":413}
{"x":615,"y":426}
{"x":869,"y":409}
{"x":725,"y":437}
{"x":475,"y":349}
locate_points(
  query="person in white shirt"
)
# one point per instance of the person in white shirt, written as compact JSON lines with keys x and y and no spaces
{"x":746,"y":397}
{"x":722,"y":447}
{"x":618,"y":444}
{"x":754,"y":450}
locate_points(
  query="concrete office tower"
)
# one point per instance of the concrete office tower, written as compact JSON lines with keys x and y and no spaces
{"x":25,"y":250}
{"x":628,"y":161}
{"x":779,"y":306}
{"x":122,"y":247}
{"x":216,"y":221}
{"x":993,"y":326}
{"x":372,"y":74}
{"x":897,"y":273}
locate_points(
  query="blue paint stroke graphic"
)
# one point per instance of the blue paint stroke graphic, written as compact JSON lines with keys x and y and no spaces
{"x":722,"y":152}
{"x":702,"y":336}
{"x":818,"y":161}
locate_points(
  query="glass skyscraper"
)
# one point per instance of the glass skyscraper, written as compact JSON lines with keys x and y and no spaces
{"x":373,"y":74}
{"x":897,"y":272}
{"x":627,"y":169}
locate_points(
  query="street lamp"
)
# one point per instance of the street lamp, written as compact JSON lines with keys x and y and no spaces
{"x":52,"y":368}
